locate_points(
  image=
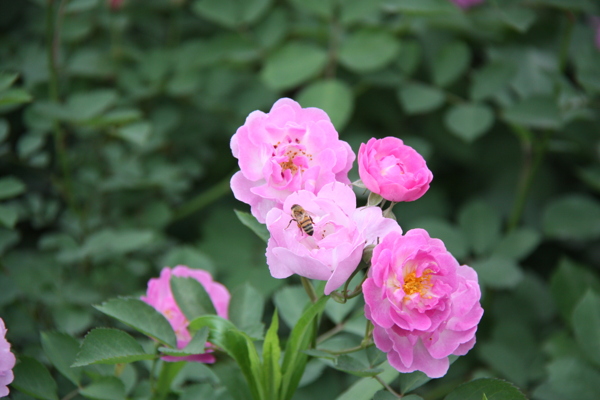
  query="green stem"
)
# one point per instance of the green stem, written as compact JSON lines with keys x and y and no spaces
{"x":203,"y":199}
{"x":53,"y":45}
{"x":388,"y":387}
{"x":310,"y":290}
{"x":533,"y":154}
{"x":566,"y":42}
{"x":168,"y":372}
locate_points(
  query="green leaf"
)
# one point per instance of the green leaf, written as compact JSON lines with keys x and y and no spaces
{"x":322,"y":8}
{"x":494,"y":389}
{"x":61,"y":349}
{"x":8,"y":216}
{"x":271,"y":356}
{"x":4,"y":129}
{"x":536,"y":112}
{"x":250,"y":221}
{"x":368,"y":50}
{"x":104,"y":388}
{"x":231,"y":13}
{"x":293,"y":64}
{"x":294,"y":360}
{"x":238,"y":345}
{"x":568,"y":284}
{"x":195,"y":346}
{"x":246,"y":309}
{"x":191,"y":297}
{"x":419,"y":98}
{"x":491,"y":79}
{"x":411,"y":381}
{"x":109,"y":346}
{"x":137,"y":133}
{"x":291,"y":302}
{"x":420,"y":7}
{"x":410,"y":56}
{"x":355,"y":367}
{"x":480,"y":224}
{"x":518,"y":244}
{"x":142,"y":317}
{"x":11,"y":187}
{"x":518,"y":18}
{"x":7,"y":79}
{"x":450,"y":63}
{"x":76,"y":6}
{"x":586,"y":324}
{"x":365,"y":388}
{"x":358,"y":10}
{"x":569,"y":378}
{"x":469,"y":121}
{"x":13,"y":97}
{"x":33,"y":379}
{"x":572,"y":217}
{"x":84,"y":106}
{"x":332,"y":96}
{"x":497,"y":272}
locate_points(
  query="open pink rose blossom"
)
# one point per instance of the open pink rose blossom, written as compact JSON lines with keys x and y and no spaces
{"x":288,"y":149}
{"x":160,"y":296}
{"x":424,"y":305}
{"x":7,"y":361}
{"x":340,"y":234}
{"x":393,"y":170}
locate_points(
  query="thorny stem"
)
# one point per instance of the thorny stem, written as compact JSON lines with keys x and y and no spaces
{"x":533,"y":154}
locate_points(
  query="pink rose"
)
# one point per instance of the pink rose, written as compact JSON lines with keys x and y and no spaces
{"x":7,"y":361}
{"x":289,"y":149}
{"x":393,"y":170}
{"x":424,"y":305}
{"x":340,"y":234}
{"x":464,"y":4}
{"x":160,"y":297}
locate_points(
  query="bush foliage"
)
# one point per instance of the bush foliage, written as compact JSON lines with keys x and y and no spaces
{"x":114,"y":154}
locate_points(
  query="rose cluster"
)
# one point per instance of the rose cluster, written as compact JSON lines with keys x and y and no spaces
{"x":423,"y":305}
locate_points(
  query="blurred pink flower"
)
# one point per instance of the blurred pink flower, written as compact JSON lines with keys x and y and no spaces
{"x":7,"y":361}
{"x":115,"y":4}
{"x":393,"y":170}
{"x":424,"y":305}
{"x":596,"y":26}
{"x":464,"y":4}
{"x":160,"y":297}
{"x":341,"y":232}
{"x":288,"y":149}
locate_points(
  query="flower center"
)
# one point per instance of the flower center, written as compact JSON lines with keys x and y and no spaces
{"x":293,"y":150}
{"x":417,"y":284}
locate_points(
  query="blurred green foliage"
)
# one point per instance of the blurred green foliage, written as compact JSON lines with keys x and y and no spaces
{"x":115,"y":161}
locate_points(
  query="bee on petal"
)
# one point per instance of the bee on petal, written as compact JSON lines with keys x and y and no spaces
{"x":304,"y":221}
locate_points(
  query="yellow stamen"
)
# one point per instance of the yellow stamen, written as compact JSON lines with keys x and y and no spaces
{"x":417,"y":284}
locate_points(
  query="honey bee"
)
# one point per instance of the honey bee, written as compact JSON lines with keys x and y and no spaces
{"x":302,"y":218}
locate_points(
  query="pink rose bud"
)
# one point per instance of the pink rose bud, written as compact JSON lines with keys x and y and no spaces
{"x":7,"y":361}
{"x":160,"y":297}
{"x":326,"y":236}
{"x":424,"y":305}
{"x":288,"y":149}
{"x":464,"y":4}
{"x":393,"y":170}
